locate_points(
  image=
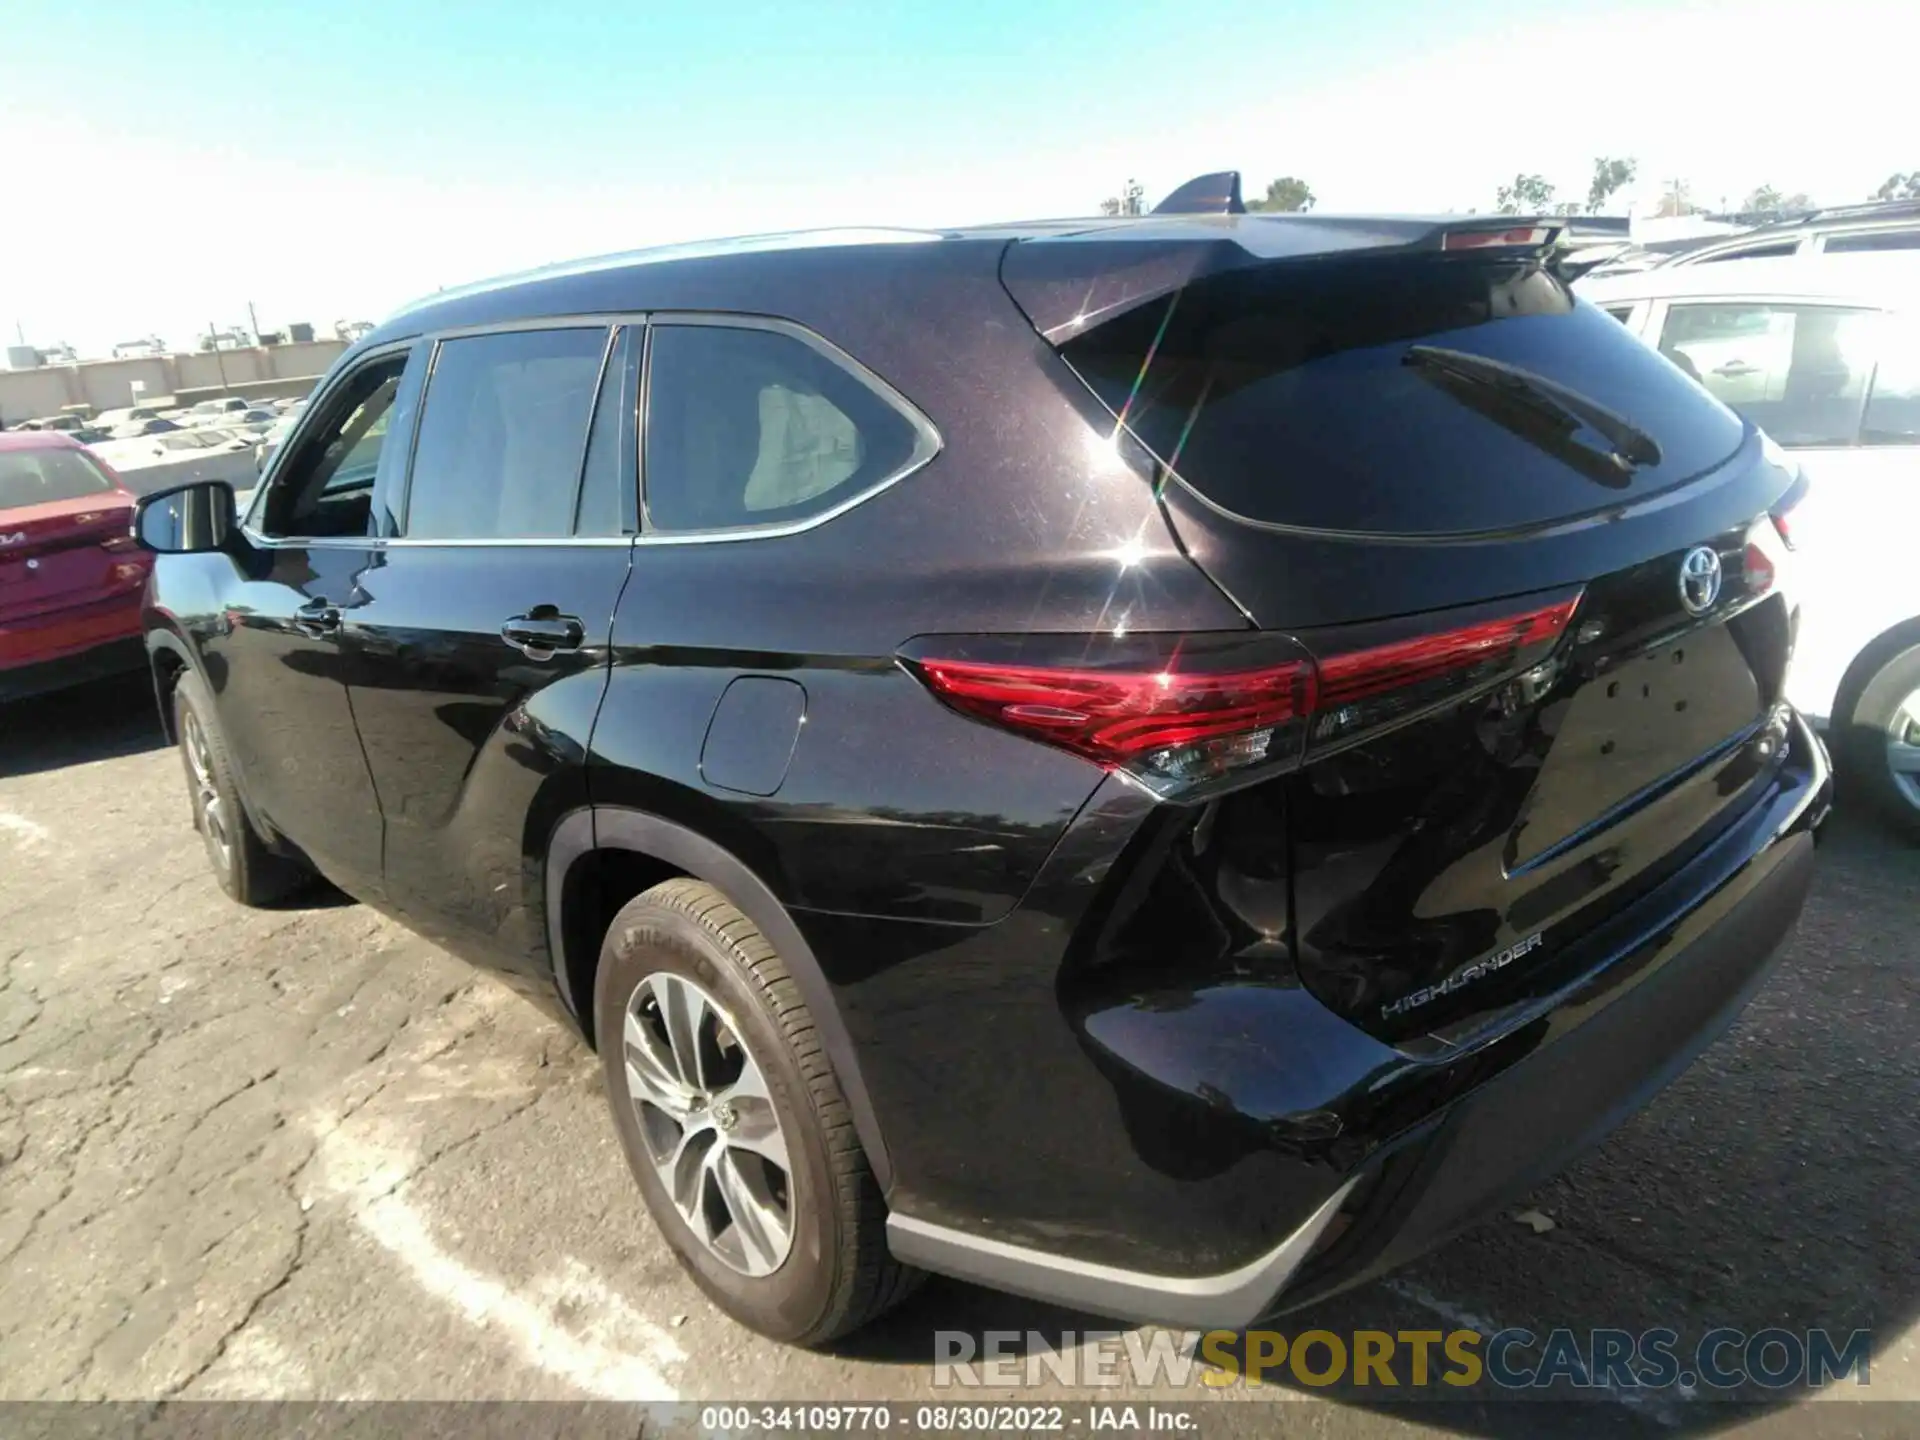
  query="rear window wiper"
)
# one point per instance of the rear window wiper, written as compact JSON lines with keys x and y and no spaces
{"x":1628,"y":445}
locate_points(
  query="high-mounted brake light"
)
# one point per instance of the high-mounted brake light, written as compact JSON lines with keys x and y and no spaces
{"x":1194,"y":716}
{"x":1529,"y":235}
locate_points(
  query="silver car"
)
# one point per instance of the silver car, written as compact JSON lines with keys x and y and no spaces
{"x":1825,"y":358}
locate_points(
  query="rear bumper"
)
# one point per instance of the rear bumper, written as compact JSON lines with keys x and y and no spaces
{"x":1371,"y":1156}
{"x":69,"y":647}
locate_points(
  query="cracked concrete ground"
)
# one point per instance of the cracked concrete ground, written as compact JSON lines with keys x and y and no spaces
{"x":304,"y":1154}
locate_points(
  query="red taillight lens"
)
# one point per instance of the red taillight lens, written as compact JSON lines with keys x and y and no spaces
{"x":1361,"y":690}
{"x":1171,"y":723}
{"x":1194,"y":716}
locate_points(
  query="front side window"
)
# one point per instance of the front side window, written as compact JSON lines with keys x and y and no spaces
{"x":503,"y":432}
{"x":1799,"y":372}
{"x":750,"y":426}
{"x":324,"y":488}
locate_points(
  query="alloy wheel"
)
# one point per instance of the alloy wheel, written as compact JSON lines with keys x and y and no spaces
{"x":708,"y":1123}
{"x":1903,"y":749}
{"x":209,"y":809}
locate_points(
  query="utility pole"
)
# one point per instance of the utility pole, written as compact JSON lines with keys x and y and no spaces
{"x":254,"y":321}
{"x":213,"y":338}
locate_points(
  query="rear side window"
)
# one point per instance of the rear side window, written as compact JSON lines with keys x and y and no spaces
{"x":606,"y":505}
{"x":1799,"y":372}
{"x":1778,"y":249}
{"x":750,"y":426}
{"x":1346,"y":396}
{"x":503,"y":433}
{"x":1865,"y":241}
{"x":35,"y":477}
{"x":1893,"y":404}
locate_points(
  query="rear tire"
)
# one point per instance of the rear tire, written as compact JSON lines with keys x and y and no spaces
{"x":1876,"y":725}
{"x":247,"y":870}
{"x":821,"y":1269}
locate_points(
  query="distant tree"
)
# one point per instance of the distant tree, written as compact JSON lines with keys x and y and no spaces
{"x":1130,"y":201}
{"x":1900,"y":187}
{"x":1768,"y":201}
{"x":1566,"y":207}
{"x":1529,"y":194}
{"x":1608,"y":176}
{"x":1288,"y":193}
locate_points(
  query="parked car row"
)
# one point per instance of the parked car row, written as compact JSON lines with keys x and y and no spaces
{"x":1884,"y":229}
{"x":126,"y":422}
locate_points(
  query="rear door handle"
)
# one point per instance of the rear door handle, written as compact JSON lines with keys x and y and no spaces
{"x":1733,"y":369}
{"x":317,"y":618}
{"x":544,"y":633}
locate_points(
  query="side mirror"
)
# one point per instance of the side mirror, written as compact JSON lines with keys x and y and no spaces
{"x":186,"y":520}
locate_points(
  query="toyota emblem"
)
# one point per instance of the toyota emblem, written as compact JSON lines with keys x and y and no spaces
{"x":1700,"y":579}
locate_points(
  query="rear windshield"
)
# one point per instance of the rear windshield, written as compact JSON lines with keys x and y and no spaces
{"x":33,"y":477}
{"x":1346,"y":396}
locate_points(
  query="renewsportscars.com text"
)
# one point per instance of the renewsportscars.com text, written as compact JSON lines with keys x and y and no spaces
{"x":1723,"y":1358}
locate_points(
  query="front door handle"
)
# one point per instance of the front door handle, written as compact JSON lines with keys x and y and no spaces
{"x":543,"y":633}
{"x":317,"y":618}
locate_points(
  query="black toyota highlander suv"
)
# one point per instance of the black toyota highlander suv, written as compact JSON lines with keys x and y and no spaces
{"x":1163,"y":763}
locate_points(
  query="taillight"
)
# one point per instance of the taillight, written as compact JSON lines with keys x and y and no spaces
{"x":1362,"y":690}
{"x":1768,"y":551}
{"x":1182,"y":713}
{"x":1782,"y":513}
{"x":1174,"y":719}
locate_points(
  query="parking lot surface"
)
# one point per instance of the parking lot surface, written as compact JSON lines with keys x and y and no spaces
{"x":303,"y":1153}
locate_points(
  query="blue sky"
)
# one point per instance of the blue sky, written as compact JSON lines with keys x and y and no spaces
{"x":333,"y":160}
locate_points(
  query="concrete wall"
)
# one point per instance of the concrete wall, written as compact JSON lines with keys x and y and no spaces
{"x":108,"y":384}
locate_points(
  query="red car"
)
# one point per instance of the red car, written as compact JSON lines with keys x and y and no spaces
{"x":71,"y":577}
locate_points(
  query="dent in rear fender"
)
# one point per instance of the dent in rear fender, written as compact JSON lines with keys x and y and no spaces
{"x":610,"y":827}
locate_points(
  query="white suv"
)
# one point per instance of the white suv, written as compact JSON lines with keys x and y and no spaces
{"x":1826,"y":360}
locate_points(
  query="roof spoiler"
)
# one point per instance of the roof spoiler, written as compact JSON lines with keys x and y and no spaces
{"x":1215,"y":194}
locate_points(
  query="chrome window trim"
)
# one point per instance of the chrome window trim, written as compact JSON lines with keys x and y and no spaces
{"x":927,"y":440}
{"x":402,"y":542}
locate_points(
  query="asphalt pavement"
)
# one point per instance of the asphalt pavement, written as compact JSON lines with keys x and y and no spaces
{"x":304,"y":1154}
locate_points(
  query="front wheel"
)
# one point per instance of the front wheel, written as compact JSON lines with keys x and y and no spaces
{"x":1877,"y":722}
{"x":246,"y":869}
{"x":733,"y":1122}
